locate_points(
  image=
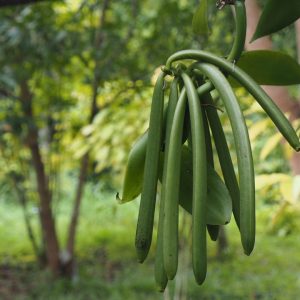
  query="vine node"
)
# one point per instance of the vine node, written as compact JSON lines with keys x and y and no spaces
{"x":221,"y":3}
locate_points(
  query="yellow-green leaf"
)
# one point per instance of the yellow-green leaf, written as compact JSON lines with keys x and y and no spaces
{"x":258,"y":128}
{"x":286,"y":190}
{"x":268,"y":180}
{"x":270,"y":145}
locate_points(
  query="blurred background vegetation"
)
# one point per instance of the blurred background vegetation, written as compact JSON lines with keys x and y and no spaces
{"x":75,"y":89}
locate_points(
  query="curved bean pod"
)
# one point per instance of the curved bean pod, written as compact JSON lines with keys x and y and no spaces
{"x":244,"y":155}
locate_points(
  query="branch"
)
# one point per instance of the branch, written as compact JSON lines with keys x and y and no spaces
{"x":4,"y":3}
{"x":221,"y":3}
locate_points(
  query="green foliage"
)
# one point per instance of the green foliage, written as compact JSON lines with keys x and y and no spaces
{"x":276,"y":15}
{"x":270,"y":67}
{"x":134,"y":174}
{"x":218,"y":206}
{"x":123,"y":116}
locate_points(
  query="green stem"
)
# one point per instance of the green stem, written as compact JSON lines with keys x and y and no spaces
{"x":240,"y":31}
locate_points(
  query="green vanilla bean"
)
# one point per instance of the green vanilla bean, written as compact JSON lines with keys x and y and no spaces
{"x":148,"y":198}
{"x":244,"y":154}
{"x":171,"y":184}
{"x":161,"y":276}
{"x":199,"y":255}
{"x":224,"y":155}
{"x":276,"y":115}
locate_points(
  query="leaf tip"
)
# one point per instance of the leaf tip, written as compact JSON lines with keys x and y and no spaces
{"x":254,"y":37}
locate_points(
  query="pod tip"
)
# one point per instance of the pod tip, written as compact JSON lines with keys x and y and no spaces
{"x":248,"y":251}
{"x":200,"y":278}
{"x":141,"y":252}
{"x":140,"y":260}
{"x":161,"y":289}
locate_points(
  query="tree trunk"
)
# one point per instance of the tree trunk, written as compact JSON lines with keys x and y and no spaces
{"x":279,"y":94}
{"x":46,"y":216}
{"x":21,"y":194}
{"x":69,"y":260}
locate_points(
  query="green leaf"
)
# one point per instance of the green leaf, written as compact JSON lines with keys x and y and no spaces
{"x":134,"y":174}
{"x":200,"y":19}
{"x":276,"y":15}
{"x":270,"y":67}
{"x":219,"y":206}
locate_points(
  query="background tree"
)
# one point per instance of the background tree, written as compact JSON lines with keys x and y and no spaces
{"x":40,"y":56}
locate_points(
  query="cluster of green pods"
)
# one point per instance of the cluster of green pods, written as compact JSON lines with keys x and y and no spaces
{"x":177,"y":152}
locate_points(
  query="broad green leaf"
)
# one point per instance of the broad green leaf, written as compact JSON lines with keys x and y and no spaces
{"x":219,"y":206}
{"x":134,"y":174}
{"x":200,"y":19}
{"x":270,"y":67}
{"x":276,"y":15}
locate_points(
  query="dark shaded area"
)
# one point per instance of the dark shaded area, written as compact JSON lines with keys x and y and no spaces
{"x":21,"y":2}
